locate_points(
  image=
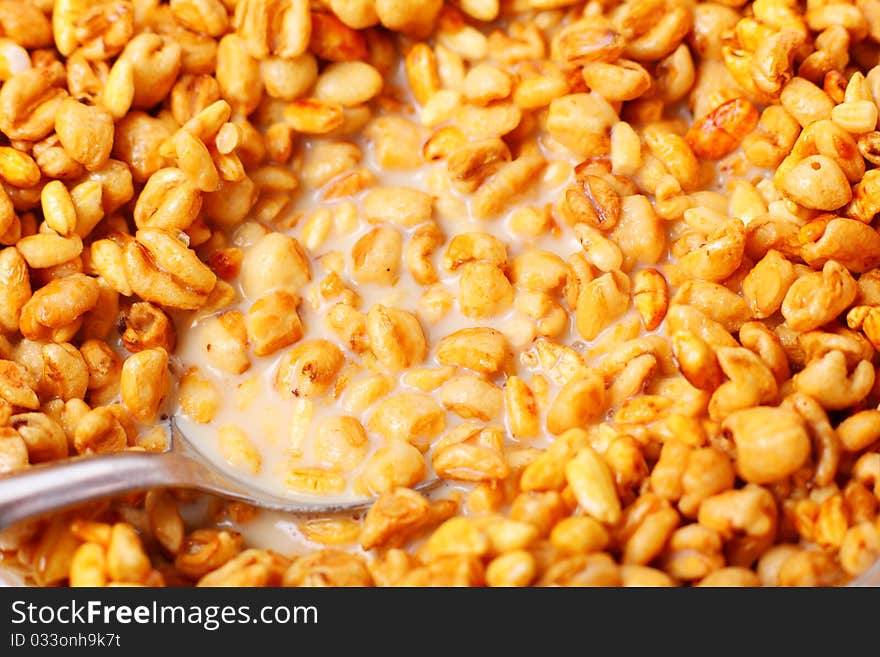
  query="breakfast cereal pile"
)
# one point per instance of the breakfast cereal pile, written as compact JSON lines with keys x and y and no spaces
{"x":607,"y":269}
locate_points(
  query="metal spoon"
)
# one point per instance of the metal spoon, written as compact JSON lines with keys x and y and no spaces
{"x":62,"y":484}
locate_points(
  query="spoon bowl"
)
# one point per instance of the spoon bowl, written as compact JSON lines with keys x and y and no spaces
{"x":59,"y":485}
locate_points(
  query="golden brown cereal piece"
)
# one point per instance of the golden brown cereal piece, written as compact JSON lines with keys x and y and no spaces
{"x":859,"y":431}
{"x":472,"y":162}
{"x":312,"y":116}
{"x":328,"y":568}
{"x":579,"y":400}
{"x":44,"y":438}
{"x":348,"y":83}
{"x":417,"y":254}
{"x":693,"y":551}
{"x":65,"y":374}
{"x":470,"y":247}
{"x":214,"y":112}
{"x":376,"y":256}
{"x":46,"y":250}
{"x":470,"y":452}
{"x":483,"y":350}
{"x":400,"y":15}
{"x":169,"y":200}
{"x":206,"y":16}
{"x":331,"y":531}
{"x":341,"y":443}
{"x":697,"y":361}
{"x":771,"y":443}
{"x":99,"y":431}
{"x":16,"y":385}
{"x":806,"y":102}
{"x":730,"y":577}
{"x":593,"y":486}
{"x":715,"y":260}
{"x":581,"y":42}
{"x":144,"y":382}
{"x":583,"y":570}
{"x":397,"y":205}
{"x":847,"y":241}
{"x":538,"y":270}
{"x":766,"y":285}
{"x":720,"y":132}
{"x":411,"y":417}
{"x":601,"y":252}
{"x":315,"y":481}
{"x":422,"y":73}
{"x":275,"y":260}
{"x":484,"y":83}
{"x":746,"y":519}
{"x":272,"y":322}
{"x":650,"y":297}
{"x":160,"y":268}
{"x":225,"y":340}
{"x":397,"y":465}
{"x":484,"y":290}
{"x":308,"y":369}
{"x":397,"y":142}
{"x":58,"y":306}
{"x":817,"y":182}
{"x":155,"y":63}
{"x":126,"y":559}
{"x":86,"y":133}
{"x":165,"y":520}
{"x":828,"y":381}
{"x":594,"y":202}
{"x":147,"y":326}
{"x":396,"y":337}
{"x":579,"y":534}
{"x":522,"y":409}
{"x":603,"y":300}
{"x":646,"y":527}
{"x":620,"y":81}
{"x":471,"y":396}
{"x":515,"y":568}
{"x":457,"y":536}
{"x":89,"y":565}
{"x":16,"y":289}
{"x":29,"y":102}
{"x":580,"y":122}
{"x":238,"y":450}
{"x":334,"y":41}
{"x":392,"y":516}
{"x":513,"y":179}
{"x":13,"y":450}
{"x":58,"y":208}
{"x":199,"y":398}
{"x":860,"y":548}
{"x":205,"y":550}
{"x":18,"y":168}
{"x":26,"y":25}
{"x":547,"y":470}
{"x":104,"y":365}
{"x":54,"y":161}
{"x":818,"y":297}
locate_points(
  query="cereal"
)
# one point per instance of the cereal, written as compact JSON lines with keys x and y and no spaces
{"x":238,"y":450}
{"x":590,"y":480}
{"x":771,"y":443}
{"x":144,"y":382}
{"x":609,"y":275}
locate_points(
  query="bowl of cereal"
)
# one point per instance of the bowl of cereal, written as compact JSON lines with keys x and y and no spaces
{"x":608,"y":273}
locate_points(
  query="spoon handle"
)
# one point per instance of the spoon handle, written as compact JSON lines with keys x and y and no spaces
{"x":59,"y":485}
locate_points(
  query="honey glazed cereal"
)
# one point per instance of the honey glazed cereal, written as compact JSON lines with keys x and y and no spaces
{"x":609,"y":269}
